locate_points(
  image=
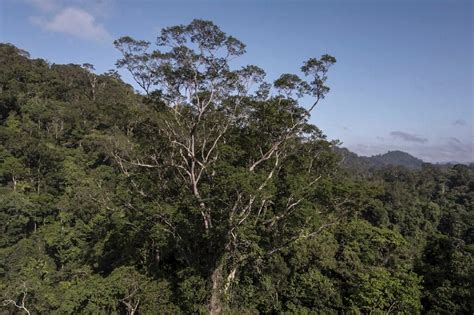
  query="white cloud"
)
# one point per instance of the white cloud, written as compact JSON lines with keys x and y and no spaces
{"x":75,"y":22}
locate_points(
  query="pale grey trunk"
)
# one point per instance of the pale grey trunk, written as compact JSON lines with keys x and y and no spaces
{"x":215,"y":304}
{"x":220,"y":287}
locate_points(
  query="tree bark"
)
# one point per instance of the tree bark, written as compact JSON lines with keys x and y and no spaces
{"x":220,"y":285}
{"x":215,"y":303}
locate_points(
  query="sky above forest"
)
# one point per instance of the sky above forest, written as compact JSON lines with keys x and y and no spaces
{"x":403,"y":80}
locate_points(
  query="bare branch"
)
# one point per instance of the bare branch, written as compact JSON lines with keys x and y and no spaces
{"x":20,"y":306}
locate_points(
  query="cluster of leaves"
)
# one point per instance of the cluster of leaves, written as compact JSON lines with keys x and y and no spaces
{"x":100,"y":213}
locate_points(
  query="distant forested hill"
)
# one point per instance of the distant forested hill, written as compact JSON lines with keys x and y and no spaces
{"x":205,"y":195}
{"x":391,"y":158}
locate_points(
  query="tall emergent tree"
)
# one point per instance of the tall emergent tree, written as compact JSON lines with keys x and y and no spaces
{"x":234,"y":157}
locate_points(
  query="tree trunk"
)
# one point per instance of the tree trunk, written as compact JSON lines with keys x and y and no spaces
{"x":220,"y":287}
{"x":215,"y":304}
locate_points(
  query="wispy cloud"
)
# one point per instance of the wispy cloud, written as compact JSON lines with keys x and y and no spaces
{"x":454,"y":140}
{"x":457,"y":146}
{"x":408,"y":137}
{"x":459,"y":122}
{"x":75,"y":22}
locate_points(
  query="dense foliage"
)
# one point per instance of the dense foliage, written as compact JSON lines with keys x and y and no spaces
{"x":211,"y":192}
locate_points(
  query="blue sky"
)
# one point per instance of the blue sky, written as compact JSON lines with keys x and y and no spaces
{"x":403,"y":80}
